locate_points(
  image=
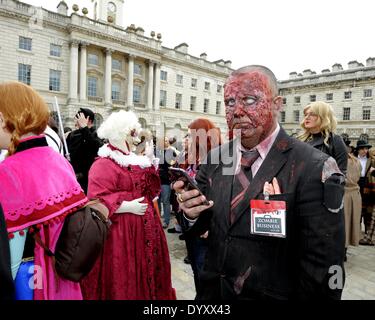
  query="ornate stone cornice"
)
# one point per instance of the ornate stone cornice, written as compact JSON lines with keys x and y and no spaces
{"x":108,"y":51}
{"x":112,"y":38}
{"x":74,"y":43}
{"x":191,"y":65}
{"x":94,"y":71}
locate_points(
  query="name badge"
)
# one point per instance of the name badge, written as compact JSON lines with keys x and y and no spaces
{"x":268,"y":218}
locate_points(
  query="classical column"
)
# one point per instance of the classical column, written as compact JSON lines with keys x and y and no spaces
{"x":150,"y":84}
{"x":83,"y":73}
{"x":108,"y":77}
{"x":73,"y":74}
{"x":130,"y":81}
{"x":157,"y":87}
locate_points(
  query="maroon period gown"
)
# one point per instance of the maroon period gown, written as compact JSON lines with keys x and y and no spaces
{"x":135,"y":262}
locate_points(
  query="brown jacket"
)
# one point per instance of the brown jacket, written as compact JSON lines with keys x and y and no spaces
{"x":352,"y":202}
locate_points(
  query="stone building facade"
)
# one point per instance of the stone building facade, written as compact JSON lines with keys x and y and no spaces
{"x":99,"y":64}
{"x":351,"y":92}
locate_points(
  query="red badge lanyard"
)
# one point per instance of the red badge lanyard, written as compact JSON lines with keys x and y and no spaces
{"x":268,"y":218}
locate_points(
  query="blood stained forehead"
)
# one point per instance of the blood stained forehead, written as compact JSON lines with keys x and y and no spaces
{"x":250,"y":82}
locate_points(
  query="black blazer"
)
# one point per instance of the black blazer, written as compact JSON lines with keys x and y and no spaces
{"x":6,"y":280}
{"x":336,"y":149}
{"x":243,"y":266}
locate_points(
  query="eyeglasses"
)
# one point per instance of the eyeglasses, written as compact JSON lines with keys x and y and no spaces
{"x":310,"y":115}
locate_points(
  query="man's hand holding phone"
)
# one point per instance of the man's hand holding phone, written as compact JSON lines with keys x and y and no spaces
{"x":191,"y":202}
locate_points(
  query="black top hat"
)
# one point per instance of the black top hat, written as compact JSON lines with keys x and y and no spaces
{"x":87,"y":113}
{"x":347,"y":141}
{"x":363,"y":144}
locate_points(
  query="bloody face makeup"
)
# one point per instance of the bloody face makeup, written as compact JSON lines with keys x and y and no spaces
{"x":250,"y":107}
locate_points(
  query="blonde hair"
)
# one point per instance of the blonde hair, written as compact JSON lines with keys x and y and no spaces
{"x":326,"y":120}
{"x":24,"y":111}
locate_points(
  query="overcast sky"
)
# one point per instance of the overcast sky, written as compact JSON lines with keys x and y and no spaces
{"x":284,"y":35}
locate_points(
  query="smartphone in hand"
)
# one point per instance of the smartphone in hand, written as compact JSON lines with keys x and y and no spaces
{"x":179,"y":174}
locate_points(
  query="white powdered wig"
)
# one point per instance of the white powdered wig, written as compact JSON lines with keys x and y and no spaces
{"x":119,"y":125}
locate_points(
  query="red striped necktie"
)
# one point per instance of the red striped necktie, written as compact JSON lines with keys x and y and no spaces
{"x":241,"y":180}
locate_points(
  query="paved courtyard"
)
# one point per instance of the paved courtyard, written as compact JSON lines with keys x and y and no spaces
{"x":360,"y":271}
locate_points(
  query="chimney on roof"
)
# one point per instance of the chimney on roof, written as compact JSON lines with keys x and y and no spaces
{"x":370,"y":62}
{"x":203,"y":56}
{"x":220,"y":62}
{"x":183,"y":48}
{"x":337,"y":67}
{"x":353,"y":64}
{"x":293,"y":75}
{"x":140,"y":31}
{"x":62,"y":8}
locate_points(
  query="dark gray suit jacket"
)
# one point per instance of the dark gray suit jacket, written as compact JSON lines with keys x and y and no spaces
{"x":240,"y":265}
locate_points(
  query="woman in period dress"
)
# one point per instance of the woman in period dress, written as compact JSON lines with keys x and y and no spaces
{"x":135,"y":261}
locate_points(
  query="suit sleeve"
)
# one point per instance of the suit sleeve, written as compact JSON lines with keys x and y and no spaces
{"x":321,"y":236}
{"x":91,"y":138}
{"x":204,"y":220}
{"x":341,"y":153}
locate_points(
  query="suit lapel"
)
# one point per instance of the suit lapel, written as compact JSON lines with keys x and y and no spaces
{"x":272,"y":164}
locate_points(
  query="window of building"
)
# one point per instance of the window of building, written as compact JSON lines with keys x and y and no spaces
{"x":284,"y":100}
{"x":206,"y":86}
{"x":206,"y":105}
{"x":179,"y":79}
{"x":193,"y":102}
{"x":312,"y":98}
{"x":116,"y":64}
{"x":25,"y":43}
{"x":93,"y":59}
{"x":282,"y":116}
{"x":116,"y":90}
{"x":163,"y":75}
{"x":296,"y":115}
{"x":347,"y":95}
{"x":24,"y":73}
{"x":366,"y":115}
{"x":136,"y":94}
{"x":346,"y":114}
{"x":92,"y":87}
{"x":137,"y":69}
{"x":54,"y":80}
{"x":178,"y":101}
{"x":163,"y":98}
{"x":194,"y":82}
{"x":367,"y":93}
{"x":329,"y":96}
{"x":218,"y":107}
{"x":219,"y":88}
{"x":55,"y":50}
{"x":297,"y":99}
